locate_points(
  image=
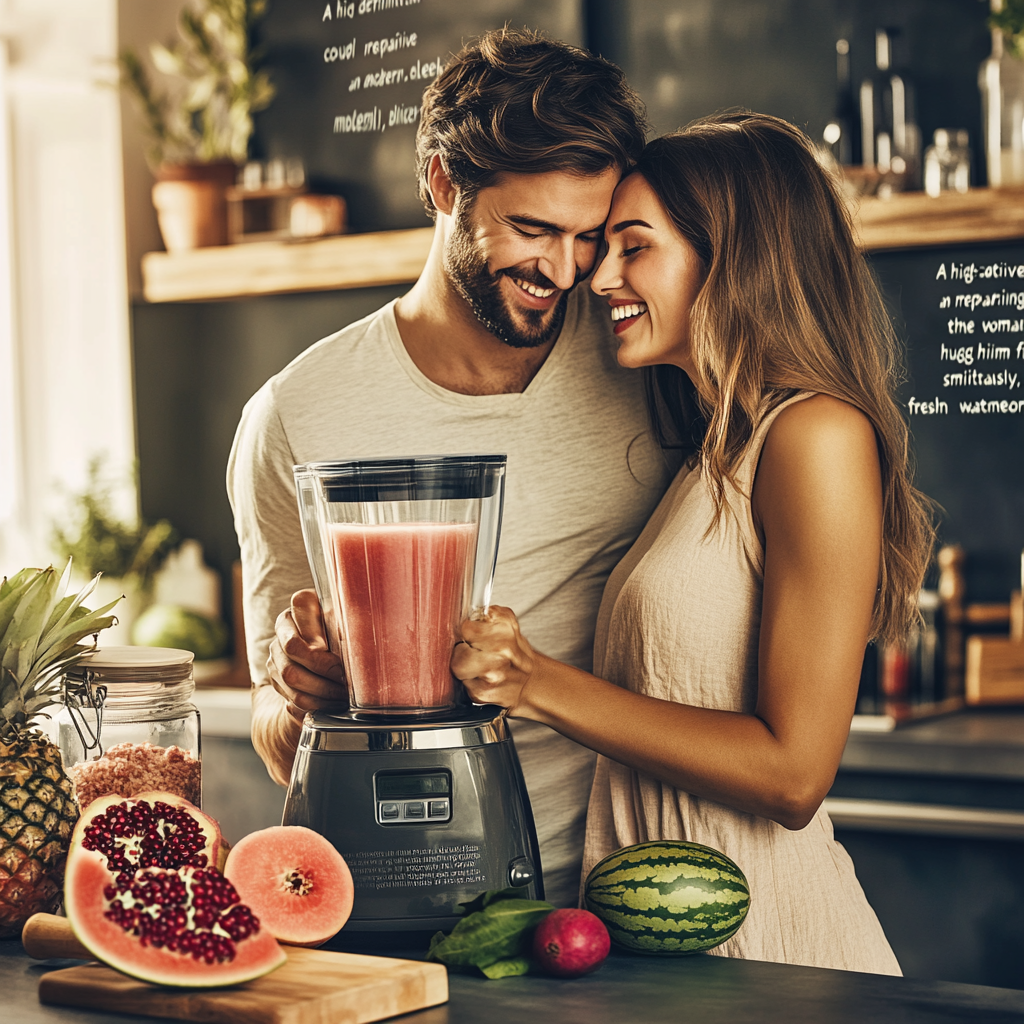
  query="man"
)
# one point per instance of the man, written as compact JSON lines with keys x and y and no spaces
{"x":494,"y":349}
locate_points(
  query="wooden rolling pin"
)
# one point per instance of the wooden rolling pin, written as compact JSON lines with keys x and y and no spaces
{"x":47,"y":935}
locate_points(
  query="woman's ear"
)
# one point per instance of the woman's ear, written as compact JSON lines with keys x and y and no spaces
{"x":442,"y":191}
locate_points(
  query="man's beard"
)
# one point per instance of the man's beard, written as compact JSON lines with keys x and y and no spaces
{"x":466,"y":268}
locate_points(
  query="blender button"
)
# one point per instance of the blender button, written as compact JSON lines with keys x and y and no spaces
{"x":438,"y":809}
{"x":389,"y":810}
{"x":414,"y":810}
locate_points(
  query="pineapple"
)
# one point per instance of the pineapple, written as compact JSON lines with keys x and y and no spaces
{"x":40,"y":634}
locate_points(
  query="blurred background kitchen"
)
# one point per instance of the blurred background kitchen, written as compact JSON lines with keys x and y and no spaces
{"x":193,"y":193}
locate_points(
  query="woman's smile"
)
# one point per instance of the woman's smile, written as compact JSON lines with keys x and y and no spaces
{"x":650,"y":276}
{"x":626,"y":313}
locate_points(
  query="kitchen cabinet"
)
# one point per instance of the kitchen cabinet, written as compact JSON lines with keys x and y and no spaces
{"x":933,"y":816}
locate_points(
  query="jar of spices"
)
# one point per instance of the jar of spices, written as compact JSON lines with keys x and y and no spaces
{"x":128,"y":724}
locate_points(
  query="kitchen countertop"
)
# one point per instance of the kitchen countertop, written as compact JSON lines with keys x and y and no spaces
{"x":974,"y":743}
{"x":646,"y":990}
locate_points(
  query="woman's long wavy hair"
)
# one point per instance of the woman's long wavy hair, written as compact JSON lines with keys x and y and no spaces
{"x":788,"y":304}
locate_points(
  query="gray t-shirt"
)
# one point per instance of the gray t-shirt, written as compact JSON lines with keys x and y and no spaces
{"x":583,"y":476}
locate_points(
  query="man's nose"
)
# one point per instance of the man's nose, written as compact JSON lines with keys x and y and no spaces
{"x":558,"y":264}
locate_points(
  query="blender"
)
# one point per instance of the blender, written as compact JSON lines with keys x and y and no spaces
{"x":419,"y":790}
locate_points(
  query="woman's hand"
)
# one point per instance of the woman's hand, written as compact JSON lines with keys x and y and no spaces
{"x":494,"y":660}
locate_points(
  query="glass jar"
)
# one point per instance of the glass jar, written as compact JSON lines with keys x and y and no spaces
{"x":947,"y":163}
{"x":128,"y":724}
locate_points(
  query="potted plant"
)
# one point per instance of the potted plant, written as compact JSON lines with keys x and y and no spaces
{"x":125,"y":555}
{"x":200,"y":121}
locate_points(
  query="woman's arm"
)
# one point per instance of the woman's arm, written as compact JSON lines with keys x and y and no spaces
{"x":817,"y":503}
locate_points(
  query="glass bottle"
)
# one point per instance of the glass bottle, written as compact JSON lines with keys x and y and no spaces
{"x":947,"y":163}
{"x":128,"y":724}
{"x":890,"y":137}
{"x":1001,"y":81}
{"x":841,"y":133}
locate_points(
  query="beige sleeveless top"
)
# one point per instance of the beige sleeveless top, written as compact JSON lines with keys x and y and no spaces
{"x":680,"y":621}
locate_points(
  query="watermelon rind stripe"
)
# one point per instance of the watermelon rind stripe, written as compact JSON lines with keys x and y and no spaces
{"x":668,"y":897}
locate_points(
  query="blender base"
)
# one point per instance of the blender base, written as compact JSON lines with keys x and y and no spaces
{"x":427,"y":813}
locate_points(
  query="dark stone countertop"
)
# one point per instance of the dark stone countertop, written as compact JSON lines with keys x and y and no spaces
{"x":969,"y":744}
{"x":645,"y":990}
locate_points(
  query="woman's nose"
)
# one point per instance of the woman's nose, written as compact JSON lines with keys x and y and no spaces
{"x":605,"y":277}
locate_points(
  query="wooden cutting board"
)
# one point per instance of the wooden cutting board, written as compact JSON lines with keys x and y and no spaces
{"x":314,"y":987}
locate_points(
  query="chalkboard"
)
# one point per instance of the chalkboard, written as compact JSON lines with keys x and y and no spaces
{"x":350,"y":75}
{"x":961,"y":313}
{"x":688,"y":58}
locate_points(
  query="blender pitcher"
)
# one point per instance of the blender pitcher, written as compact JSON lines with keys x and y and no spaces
{"x":401,"y":551}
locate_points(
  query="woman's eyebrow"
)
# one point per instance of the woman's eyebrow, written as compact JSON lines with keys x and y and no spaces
{"x":623,"y":224}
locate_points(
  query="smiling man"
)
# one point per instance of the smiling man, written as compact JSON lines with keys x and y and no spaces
{"x":494,"y":349}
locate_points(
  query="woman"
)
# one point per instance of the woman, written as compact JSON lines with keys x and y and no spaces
{"x":730,"y":639}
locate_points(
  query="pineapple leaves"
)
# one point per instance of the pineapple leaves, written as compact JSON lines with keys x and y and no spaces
{"x":40,"y":634}
{"x":19,"y":642}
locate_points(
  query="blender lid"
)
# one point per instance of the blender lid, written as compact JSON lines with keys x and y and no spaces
{"x":419,"y":478}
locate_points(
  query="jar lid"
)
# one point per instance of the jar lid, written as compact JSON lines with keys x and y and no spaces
{"x":133,"y":665}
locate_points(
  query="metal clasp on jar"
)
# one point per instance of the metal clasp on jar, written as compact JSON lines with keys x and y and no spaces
{"x":79,"y":697}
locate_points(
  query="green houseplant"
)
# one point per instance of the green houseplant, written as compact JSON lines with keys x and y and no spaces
{"x":125,"y":554}
{"x":198,"y":120}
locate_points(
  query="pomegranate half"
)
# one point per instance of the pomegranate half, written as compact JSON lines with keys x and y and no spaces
{"x":142,"y":893}
{"x":295,"y":881}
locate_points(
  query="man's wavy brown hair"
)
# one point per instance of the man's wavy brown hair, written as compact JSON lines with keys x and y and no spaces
{"x":514,"y":101}
{"x":788,"y":304}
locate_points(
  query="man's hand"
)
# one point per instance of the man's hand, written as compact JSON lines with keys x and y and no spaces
{"x":302,"y":668}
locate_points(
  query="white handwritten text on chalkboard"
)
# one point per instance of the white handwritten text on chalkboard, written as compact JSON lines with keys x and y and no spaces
{"x":333,"y":53}
{"x":359,"y":121}
{"x":1001,"y":361}
{"x":351,"y":8}
{"x":379,"y":47}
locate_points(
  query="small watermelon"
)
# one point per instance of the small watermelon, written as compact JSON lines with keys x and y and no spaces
{"x":668,"y":897}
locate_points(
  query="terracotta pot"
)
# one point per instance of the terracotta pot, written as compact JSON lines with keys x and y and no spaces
{"x":190,"y":203}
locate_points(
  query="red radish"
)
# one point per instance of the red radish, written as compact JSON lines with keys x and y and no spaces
{"x":568,"y":943}
{"x":295,"y":881}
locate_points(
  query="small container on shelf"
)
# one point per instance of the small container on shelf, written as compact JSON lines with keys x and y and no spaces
{"x":947,"y":163}
{"x":1001,"y":81}
{"x":128,"y":724}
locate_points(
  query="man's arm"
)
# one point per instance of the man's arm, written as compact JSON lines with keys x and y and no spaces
{"x":274,"y":566}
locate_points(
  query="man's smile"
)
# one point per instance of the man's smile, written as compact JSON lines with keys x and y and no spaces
{"x":534,"y":296}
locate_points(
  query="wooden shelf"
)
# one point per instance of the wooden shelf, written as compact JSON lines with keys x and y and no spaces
{"x":269,"y":268}
{"x":914,"y":219}
{"x":397,"y":257}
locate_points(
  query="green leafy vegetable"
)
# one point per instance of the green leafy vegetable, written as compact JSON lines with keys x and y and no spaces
{"x":507,"y":968}
{"x":493,"y":935}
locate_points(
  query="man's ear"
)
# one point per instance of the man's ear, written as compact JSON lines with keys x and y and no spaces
{"x":442,"y":191}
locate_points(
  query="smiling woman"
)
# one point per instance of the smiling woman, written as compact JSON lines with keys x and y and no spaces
{"x":651,"y":277}
{"x":731,"y":636}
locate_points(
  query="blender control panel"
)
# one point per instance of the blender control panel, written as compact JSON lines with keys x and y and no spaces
{"x":422,"y":797}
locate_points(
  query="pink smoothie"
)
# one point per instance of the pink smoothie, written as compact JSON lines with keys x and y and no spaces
{"x":402,"y":589}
